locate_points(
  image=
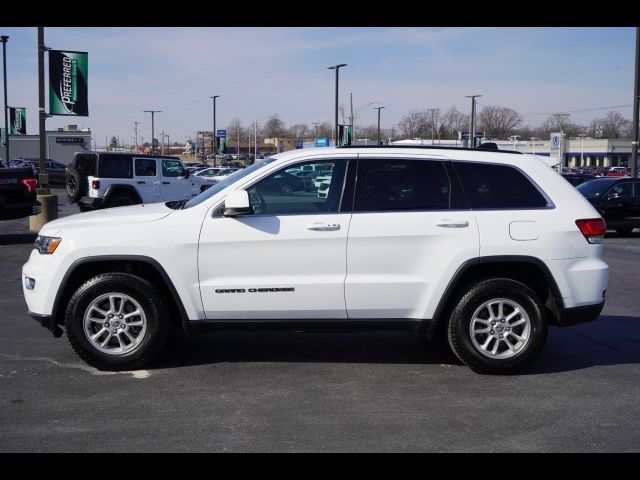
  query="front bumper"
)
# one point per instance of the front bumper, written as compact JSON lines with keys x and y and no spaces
{"x":47,"y":322}
{"x":92,"y":203}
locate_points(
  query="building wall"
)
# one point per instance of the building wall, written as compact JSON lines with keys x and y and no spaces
{"x":28,"y":146}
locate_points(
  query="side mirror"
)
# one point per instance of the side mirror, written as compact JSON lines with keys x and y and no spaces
{"x":236,"y":203}
{"x":187,"y":173}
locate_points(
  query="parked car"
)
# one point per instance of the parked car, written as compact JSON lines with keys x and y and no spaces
{"x":491,"y":247}
{"x":617,"y":200}
{"x":54,"y":169}
{"x":18,"y":193}
{"x":577,"y":179}
{"x":102,"y":180}
{"x":618,"y":172}
{"x":193,"y":166}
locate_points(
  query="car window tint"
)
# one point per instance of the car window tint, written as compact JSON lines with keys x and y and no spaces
{"x":624,"y":189}
{"x":284,"y":193}
{"x":145,"y":167}
{"x":402,"y":184}
{"x":114,"y":166}
{"x":172,"y":168}
{"x":497,"y":186}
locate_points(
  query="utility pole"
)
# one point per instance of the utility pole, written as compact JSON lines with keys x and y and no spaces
{"x":472,"y":133}
{"x":315,"y":126}
{"x":164,"y":150}
{"x":379,"y":108}
{"x":636,"y":104}
{"x":255,"y":140}
{"x":153,"y":112}
{"x":353,"y":136}
{"x":336,"y":127}
{"x":168,"y":152}
{"x":433,"y":124}
{"x":135,"y":129}
{"x":4,"y":39}
{"x":214,"y":149}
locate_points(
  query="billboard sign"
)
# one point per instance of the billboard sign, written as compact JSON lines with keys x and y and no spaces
{"x":68,"y":84}
{"x":322,"y":142}
{"x":221,"y":133}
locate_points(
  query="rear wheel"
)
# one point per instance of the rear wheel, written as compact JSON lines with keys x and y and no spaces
{"x":116,"y":321}
{"x":499,"y":326}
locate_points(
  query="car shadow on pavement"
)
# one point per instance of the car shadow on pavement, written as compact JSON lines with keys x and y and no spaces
{"x":17,"y":238}
{"x":610,"y":340}
{"x":393,"y":347}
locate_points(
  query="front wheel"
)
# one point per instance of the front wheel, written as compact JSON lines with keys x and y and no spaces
{"x":116,"y":321}
{"x":499,"y":326}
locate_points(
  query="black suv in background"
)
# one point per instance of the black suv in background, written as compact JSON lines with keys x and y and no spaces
{"x":617,"y":199}
{"x":54,"y":169}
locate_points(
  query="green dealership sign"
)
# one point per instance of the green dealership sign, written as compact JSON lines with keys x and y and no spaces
{"x":68,"y":83}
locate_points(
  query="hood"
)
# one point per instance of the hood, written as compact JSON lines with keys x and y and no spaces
{"x":117,"y":216}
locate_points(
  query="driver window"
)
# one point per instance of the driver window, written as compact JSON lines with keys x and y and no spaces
{"x":304,"y":188}
{"x":621,"y":189}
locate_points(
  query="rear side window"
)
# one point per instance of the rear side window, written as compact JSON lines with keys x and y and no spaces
{"x":114,"y":166}
{"x":402,"y":184}
{"x":497,"y":186}
{"x":145,"y":167}
{"x":86,"y":164}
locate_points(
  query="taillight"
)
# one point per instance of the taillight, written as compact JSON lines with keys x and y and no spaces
{"x":95,"y":184}
{"x":593,"y":229}
{"x":30,"y":183}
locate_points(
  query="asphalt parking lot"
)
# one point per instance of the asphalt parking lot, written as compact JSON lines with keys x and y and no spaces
{"x":376,"y":391}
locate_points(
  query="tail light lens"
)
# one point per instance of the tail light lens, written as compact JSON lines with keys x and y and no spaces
{"x":30,"y":183}
{"x":95,"y":184}
{"x":593,"y":229}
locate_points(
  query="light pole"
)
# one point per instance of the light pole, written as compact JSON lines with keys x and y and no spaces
{"x":4,"y":39}
{"x":636,"y":105}
{"x":582,"y":135}
{"x":153,"y":112}
{"x":215,"y":134}
{"x":337,"y":69}
{"x":472,"y":133}
{"x":168,"y":152}
{"x":379,"y":108}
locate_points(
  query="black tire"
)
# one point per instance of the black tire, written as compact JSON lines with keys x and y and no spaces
{"x":120,"y":200}
{"x":624,"y":231}
{"x":76,"y":184}
{"x":152,"y":304}
{"x":459,"y":327}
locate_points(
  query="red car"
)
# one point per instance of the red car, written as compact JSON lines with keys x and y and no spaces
{"x":618,"y":172}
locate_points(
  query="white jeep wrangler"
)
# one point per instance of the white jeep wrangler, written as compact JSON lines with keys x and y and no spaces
{"x":103,"y":179}
{"x":490,"y":247}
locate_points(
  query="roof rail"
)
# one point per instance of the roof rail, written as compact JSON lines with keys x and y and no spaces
{"x":434,"y":147}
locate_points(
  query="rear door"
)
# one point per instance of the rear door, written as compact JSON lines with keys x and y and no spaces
{"x":409,"y":233}
{"x":145,"y":175}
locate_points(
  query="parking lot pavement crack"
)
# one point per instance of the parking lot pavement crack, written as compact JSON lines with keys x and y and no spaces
{"x":78,"y":366}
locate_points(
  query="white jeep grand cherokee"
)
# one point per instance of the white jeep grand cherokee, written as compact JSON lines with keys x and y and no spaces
{"x":491,"y":246}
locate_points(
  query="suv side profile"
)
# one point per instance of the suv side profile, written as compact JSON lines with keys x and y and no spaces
{"x":104,"y":179}
{"x":488,"y":247}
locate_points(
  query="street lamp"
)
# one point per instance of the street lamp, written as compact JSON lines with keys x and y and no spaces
{"x":472,"y":133}
{"x":4,"y":39}
{"x":337,"y":69}
{"x":379,"y":108}
{"x":215,"y":136}
{"x":152,"y":112}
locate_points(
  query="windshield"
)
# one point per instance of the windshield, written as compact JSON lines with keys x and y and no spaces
{"x":229,"y":180}
{"x":593,"y":188}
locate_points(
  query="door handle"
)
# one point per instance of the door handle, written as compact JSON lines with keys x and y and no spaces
{"x":166,"y":183}
{"x":140,"y":183}
{"x":323,"y":226}
{"x":450,"y":223}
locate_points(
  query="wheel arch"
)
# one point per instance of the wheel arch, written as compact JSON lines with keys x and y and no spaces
{"x":117,"y":188}
{"x":530,"y":271}
{"x":146,"y":267}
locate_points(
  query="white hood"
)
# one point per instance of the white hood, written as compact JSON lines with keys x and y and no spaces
{"x":117,"y":215}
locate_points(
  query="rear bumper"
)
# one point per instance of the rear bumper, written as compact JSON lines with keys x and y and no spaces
{"x":583,"y":314}
{"x":91,"y":202}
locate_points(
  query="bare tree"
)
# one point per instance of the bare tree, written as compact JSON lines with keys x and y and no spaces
{"x":415,"y":124}
{"x":498,"y":122}
{"x":559,"y":122}
{"x":614,"y":126}
{"x":274,"y":127}
{"x":299,"y":130}
{"x":452,"y":122}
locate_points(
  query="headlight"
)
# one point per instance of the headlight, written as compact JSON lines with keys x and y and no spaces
{"x":47,"y":245}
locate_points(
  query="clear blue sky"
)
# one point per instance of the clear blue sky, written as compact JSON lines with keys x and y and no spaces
{"x":262,"y":71}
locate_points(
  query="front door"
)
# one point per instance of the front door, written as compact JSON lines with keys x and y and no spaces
{"x":173,"y":184}
{"x":407,"y":233}
{"x":287,"y":259}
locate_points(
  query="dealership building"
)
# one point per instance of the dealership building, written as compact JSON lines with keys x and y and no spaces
{"x":61,"y":144}
{"x":575,"y":152}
